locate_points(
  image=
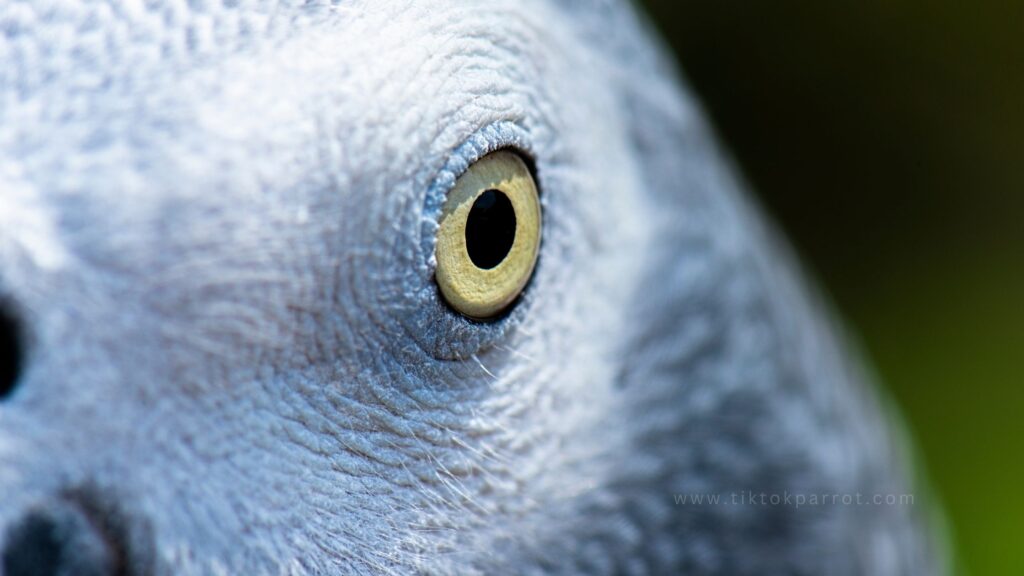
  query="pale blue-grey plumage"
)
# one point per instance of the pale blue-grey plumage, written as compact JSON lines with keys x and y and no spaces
{"x":216,"y":222}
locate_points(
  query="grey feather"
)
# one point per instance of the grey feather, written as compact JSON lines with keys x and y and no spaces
{"x":216,"y":225}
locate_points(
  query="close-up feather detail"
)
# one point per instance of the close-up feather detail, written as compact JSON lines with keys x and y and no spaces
{"x":417,"y":287}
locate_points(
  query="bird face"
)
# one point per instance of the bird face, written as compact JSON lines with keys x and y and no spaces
{"x":228,"y":350}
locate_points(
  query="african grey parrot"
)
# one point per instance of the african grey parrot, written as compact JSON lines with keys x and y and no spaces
{"x":231,"y":345}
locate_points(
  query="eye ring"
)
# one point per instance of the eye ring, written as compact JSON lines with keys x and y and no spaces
{"x":488,"y":236}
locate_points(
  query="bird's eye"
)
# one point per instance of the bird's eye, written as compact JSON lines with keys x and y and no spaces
{"x":489,"y":236}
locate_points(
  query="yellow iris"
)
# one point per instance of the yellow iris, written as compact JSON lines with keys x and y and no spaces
{"x":489,"y":236}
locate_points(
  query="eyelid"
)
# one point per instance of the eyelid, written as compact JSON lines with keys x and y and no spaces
{"x":426,"y":319}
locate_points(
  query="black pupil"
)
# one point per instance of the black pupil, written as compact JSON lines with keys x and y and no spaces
{"x":10,"y":352}
{"x":490,"y":229}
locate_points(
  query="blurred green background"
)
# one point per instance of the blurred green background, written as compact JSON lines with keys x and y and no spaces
{"x":887,"y":138}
